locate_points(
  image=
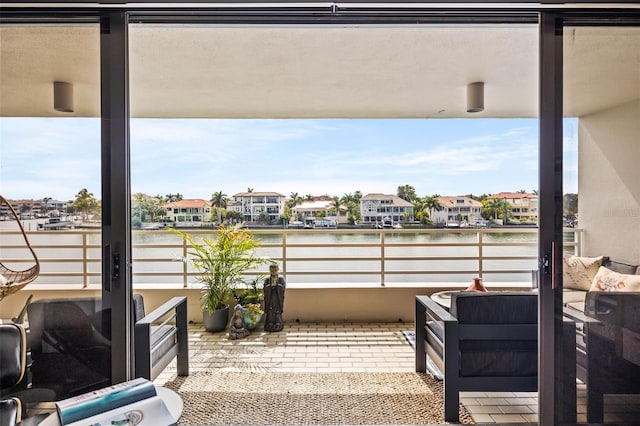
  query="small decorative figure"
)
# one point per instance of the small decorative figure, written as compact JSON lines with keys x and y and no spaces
{"x":237,"y":329}
{"x":273,"y":289}
{"x":476,"y":286}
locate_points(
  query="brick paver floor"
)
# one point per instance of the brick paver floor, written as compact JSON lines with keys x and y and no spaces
{"x":337,"y":347}
{"x":349,"y":347}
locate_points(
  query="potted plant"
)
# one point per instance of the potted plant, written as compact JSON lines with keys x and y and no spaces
{"x":250,"y":298}
{"x":221,"y":262}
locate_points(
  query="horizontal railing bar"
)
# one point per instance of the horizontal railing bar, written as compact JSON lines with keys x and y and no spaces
{"x":281,"y":249}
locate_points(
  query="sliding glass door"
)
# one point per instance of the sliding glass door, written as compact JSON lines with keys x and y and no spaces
{"x":601,"y":199}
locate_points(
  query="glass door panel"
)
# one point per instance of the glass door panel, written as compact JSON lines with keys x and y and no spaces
{"x":602,"y":205}
{"x":50,"y":174}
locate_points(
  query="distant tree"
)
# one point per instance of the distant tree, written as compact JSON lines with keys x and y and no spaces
{"x":570,"y":204}
{"x":136,"y":208}
{"x":85,"y":202}
{"x":172,"y":198}
{"x":534,"y":192}
{"x":407,"y":192}
{"x":234,"y":216}
{"x":219,"y":201}
{"x":263,"y":217}
{"x":347,"y":198}
{"x":249,"y":190}
{"x":522,"y":191}
{"x":147,"y":208}
{"x":45,"y":201}
{"x":309,"y":197}
{"x":294,"y":200}
{"x":286,"y":214}
{"x":431,"y":203}
{"x":351,"y":203}
{"x":335,"y":205}
{"x":496,"y":208}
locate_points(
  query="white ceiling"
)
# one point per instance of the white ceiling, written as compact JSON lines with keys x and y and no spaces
{"x":289,"y":72}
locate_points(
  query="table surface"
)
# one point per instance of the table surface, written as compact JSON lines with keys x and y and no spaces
{"x":171,"y":399}
{"x":443,"y":298}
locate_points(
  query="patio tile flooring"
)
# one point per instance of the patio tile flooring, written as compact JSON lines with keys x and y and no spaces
{"x":337,"y":347}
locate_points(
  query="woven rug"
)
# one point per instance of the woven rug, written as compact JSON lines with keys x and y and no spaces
{"x":248,"y":398}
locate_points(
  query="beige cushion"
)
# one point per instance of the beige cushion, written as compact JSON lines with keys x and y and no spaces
{"x":578,"y":272}
{"x":607,"y":280}
{"x":570,"y":296}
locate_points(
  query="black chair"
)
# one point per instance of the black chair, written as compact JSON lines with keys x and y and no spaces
{"x":487,"y":342}
{"x":15,"y":390}
{"x":70,"y":340}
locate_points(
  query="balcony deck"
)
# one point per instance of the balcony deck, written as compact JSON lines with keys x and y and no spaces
{"x":338,"y":347}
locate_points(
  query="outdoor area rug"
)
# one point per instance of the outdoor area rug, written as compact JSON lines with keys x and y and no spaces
{"x":248,"y":398}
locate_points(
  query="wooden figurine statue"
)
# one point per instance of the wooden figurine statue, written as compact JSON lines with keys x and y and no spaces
{"x":273,"y":289}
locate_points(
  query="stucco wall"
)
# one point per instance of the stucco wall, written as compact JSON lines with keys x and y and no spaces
{"x":609,"y":182}
{"x":371,"y":304}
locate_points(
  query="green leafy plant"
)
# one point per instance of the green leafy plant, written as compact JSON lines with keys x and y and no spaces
{"x":252,"y":294}
{"x":222,"y":262}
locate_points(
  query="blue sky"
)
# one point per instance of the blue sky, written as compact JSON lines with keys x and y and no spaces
{"x":56,"y":157}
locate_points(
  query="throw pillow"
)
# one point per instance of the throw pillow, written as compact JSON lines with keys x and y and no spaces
{"x":578,"y":272}
{"x":608,"y":280}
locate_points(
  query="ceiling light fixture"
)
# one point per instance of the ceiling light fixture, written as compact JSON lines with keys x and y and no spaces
{"x":62,"y":96}
{"x":475,"y":97}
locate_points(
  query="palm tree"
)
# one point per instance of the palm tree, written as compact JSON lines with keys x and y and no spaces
{"x":85,"y":202}
{"x":496,"y":206}
{"x":294,"y":200}
{"x":46,"y":203}
{"x":335,"y":205}
{"x":249,"y":190}
{"x":309,"y":197}
{"x":432,"y":204}
{"x":171,"y":198}
{"x":219,"y":200}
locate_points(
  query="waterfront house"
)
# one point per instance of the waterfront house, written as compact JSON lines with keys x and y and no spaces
{"x":459,"y":210}
{"x":524,"y":206}
{"x":188,"y":211}
{"x":26,"y":208}
{"x":317,"y":209}
{"x":374,"y":208}
{"x":257,"y":205}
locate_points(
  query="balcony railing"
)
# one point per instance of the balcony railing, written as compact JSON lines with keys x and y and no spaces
{"x":306,"y":256}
